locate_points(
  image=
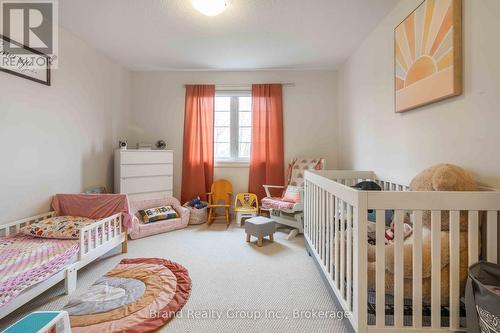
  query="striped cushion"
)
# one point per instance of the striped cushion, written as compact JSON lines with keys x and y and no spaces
{"x":277,"y":203}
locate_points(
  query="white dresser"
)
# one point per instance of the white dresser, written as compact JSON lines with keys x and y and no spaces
{"x":144,"y":174}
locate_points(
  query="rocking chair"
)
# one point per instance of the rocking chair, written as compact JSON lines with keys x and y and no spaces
{"x":220,"y":198}
{"x":288,"y":209}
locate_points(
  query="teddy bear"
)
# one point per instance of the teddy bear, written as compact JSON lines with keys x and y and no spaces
{"x":441,"y":177}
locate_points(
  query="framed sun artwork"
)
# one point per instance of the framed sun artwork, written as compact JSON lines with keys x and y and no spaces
{"x":428,"y":54}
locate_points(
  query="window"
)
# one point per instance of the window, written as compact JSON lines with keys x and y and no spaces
{"x":233,"y":126}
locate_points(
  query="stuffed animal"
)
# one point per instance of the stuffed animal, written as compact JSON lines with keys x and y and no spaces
{"x":442,"y":177}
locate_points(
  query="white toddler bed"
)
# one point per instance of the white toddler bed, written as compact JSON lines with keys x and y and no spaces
{"x":341,"y":249}
{"x":110,"y":233}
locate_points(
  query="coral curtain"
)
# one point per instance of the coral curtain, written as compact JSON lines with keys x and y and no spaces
{"x":198,"y":151}
{"x":267,"y":156}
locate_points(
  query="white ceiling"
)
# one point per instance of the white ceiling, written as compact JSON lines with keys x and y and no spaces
{"x":250,"y":34}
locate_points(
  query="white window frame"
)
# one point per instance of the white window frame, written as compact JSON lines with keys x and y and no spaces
{"x":234,"y":160}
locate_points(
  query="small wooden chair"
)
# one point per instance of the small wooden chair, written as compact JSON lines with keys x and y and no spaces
{"x":245,"y":205}
{"x":220,"y":197}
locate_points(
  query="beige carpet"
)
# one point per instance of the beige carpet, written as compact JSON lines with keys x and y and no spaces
{"x":231,"y":279}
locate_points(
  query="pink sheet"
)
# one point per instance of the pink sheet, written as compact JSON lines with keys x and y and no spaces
{"x":93,"y":206}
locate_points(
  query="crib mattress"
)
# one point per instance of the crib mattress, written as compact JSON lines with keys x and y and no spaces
{"x":26,"y":261}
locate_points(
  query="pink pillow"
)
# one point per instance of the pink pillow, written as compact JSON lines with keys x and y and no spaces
{"x":293,"y":194}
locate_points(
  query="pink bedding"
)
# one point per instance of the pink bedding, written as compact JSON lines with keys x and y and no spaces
{"x":93,"y":206}
{"x":26,"y":261}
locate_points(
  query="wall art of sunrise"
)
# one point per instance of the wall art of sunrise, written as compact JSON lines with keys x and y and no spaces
{"x":428,"y":54}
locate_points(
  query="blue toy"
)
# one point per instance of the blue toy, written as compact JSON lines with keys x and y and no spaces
{"x":197,"y":203}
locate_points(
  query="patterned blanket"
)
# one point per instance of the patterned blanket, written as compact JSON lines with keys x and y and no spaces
{"x":26,"y":261}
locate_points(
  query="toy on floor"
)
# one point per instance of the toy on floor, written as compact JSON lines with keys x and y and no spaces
{"x":442,"y":177}
{"x":245,"y":205}
{"x":197,"y":203}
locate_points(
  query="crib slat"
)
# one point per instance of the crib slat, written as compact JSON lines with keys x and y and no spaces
{"x":101,"y":238}
{"x":314,"y":212}
{"x":119,"y":227}
{"x":310,"y":208}
{"x":320,"y":223}
{"x":436,"y":269}
{"x":380,"y":268}
{"x":327,"y":231}
{"x":108,"y":231}
{"x":398,"y":268}
{"x":473,"y":236}
{"x":94,"y":238}
{"x":491,"y":236}
{"x":306,"y":209}
{"x":417,"y":269}
{"x":88,"y":240}
{"x":337,"y":243}
{"x":325,"y":228}
{"x":331,"y":203}
{"x":316,"y":218}
{"x":349,"y":257}
{"x":342,"y":248}
{"x":323,"y":225}
{"x":454,"y":269}
{"x":82,"y":245}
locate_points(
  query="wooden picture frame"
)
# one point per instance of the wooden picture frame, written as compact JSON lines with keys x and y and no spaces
{"x":428,"y":55}
{"x":39,"y":75}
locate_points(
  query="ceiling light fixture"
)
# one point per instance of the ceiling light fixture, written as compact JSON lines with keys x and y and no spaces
{"x":210,"y":7}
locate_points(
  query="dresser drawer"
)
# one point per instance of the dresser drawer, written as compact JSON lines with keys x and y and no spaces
{"x":141,"y":170}
{"x":146,"y":157}
{"x":146,"y":184}
{"x":150,"y":195}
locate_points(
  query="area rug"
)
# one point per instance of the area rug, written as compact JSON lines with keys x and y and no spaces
{"x":138,"y":295}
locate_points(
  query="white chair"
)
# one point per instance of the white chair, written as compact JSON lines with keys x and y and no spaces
{"x":287,"y":212}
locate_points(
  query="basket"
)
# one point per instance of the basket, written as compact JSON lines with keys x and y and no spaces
{"x":197,"y":216}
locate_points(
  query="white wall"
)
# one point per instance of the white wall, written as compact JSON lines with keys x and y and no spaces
{"x":309,"y":113}
{"x":60,"y":138}
{"x":464,"y":130}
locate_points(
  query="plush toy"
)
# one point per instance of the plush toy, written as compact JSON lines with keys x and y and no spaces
{"x":197,"y":203}
{"x":442,"y":177}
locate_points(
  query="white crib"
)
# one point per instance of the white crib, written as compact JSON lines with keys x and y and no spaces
{"x":340,"y":249}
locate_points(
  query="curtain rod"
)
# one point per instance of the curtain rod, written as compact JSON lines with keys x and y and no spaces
{"x":286,"y":84}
